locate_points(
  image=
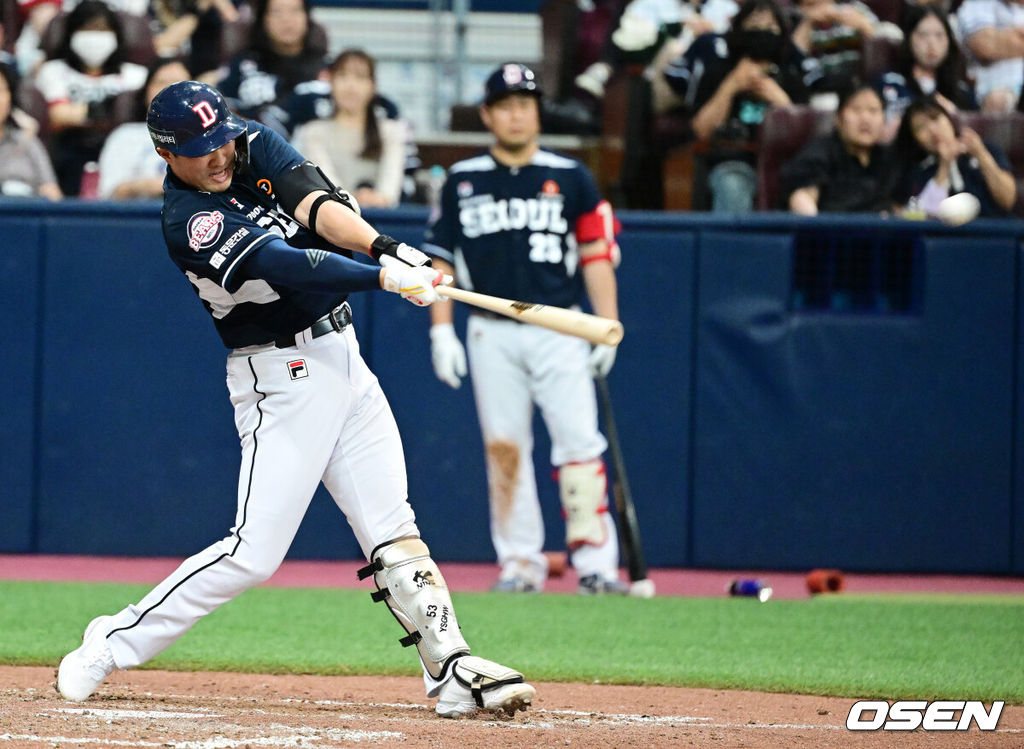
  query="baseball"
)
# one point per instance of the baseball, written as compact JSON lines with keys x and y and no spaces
{"x":958,"y":209}
{"x":642,"y":588}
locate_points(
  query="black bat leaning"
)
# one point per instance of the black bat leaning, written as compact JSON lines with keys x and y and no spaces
{"x":629,"y":528}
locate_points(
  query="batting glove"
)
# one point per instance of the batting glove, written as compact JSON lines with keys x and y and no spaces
{"x":447,"y":354}
{"x":601,"y":359}
{"x":415,"y":284}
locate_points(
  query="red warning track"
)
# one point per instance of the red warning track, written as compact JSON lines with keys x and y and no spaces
{"x":477,"y":577}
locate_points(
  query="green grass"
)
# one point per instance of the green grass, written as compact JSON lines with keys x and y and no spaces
{"x":928,"y":647}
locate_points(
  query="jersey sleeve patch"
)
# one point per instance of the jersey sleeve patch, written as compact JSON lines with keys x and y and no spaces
{"x":204,"y":229}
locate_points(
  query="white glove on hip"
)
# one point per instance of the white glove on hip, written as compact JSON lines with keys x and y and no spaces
{"x":601,"y":359}
{"x":415,"y":283}
{"x":448,"y":354}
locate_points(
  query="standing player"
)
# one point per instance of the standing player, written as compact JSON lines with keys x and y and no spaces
{"x":523,"y":223}
{"x":259,"y":231}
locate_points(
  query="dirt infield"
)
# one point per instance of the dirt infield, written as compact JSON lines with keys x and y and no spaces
{"x":221,"y":711}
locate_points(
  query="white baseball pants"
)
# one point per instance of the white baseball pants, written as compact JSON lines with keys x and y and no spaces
{"x":306,"y":414}
{"x":514,"y":366}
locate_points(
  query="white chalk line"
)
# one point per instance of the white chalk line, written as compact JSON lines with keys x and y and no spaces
{"x":301,"y":739}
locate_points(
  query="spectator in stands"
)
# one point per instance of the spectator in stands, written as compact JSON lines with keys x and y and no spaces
{"x":81,"y":85}
{"x":652,"y":33}
{"x":129,"y":166}
{"x":832,"y":34}
{"x":727,"y":82}
{"x":280,"y":79}
{"x":944,"y":159}
{"x":993,"y":33}
{"x":930,"y":63}
{"x":192,"y":29}
{"x":34,"y":16}
{"x":848,"y":169}
{"x":360,"y":148}
{"x":25,"y":168}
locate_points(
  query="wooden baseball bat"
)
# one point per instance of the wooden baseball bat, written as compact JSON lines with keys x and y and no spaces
{"x":629,"y":527}
{"x":580,"y":324}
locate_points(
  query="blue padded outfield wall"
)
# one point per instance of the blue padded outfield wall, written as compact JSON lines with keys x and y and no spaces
{"x":791,"y":393}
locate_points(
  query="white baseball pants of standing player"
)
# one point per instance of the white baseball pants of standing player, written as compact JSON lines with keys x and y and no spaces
{"x":514,"y":366}
{"x":306,"y":414}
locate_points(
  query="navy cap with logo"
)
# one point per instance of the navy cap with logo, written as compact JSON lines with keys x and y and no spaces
{"x":192,"y":119}
{"x":510,"y":78}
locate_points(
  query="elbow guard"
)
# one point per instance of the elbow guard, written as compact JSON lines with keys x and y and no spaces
{"x":298,"y":182}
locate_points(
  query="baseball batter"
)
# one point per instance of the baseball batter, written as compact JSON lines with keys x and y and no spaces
{"x":259,"y":232}
{"x":521,"y":222}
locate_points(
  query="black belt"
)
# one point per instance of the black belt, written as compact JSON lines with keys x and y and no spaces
{"x":334,"y":321}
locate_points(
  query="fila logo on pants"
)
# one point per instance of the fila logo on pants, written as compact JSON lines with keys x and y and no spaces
{"x":297,"y":369}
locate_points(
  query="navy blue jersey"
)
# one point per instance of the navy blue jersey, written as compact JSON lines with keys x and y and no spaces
{"x":511,"y":231}
{"x":209,"y":235}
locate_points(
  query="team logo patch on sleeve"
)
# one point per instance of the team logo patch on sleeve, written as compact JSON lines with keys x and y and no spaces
{"x":297,"y":369}
{"x":204,"y":229}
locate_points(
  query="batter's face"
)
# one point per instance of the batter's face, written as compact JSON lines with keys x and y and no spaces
{"x":514,"y":120}
{"x":209,"y":173}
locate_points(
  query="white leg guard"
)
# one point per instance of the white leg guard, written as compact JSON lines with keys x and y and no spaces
{"x":583,"y":490}
{"x":413,"y":588}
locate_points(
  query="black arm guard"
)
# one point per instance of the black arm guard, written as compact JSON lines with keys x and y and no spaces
{"x":294,"y":185}
{"x":385,"y":245}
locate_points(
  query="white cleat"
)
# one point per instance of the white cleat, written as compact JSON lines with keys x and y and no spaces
{"x":84,"y":669}
{"x":479,"y":684}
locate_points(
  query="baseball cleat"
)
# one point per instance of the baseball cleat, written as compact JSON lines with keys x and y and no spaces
{"x":591,"y":585}
{"x":482,"y":685}
{"x":84,"y":669}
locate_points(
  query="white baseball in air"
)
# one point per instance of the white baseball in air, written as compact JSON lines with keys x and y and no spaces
{"x":642,"y":588}
{"x":958,"y":209}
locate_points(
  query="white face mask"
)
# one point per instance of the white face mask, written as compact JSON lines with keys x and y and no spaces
{"x":94,"y":47}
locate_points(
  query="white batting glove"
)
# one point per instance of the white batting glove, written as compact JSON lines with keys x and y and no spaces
{"x":447,"y":354}
{"x":414,"y":283}
{"x":601,"y":359}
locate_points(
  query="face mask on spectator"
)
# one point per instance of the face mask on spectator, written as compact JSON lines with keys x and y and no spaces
{"x":94,"y":47}
{"x":757,"y":44}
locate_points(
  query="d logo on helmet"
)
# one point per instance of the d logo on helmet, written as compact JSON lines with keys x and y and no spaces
{"x":207,"y":116}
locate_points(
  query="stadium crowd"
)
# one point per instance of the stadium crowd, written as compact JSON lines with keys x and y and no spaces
{"x":803,"y":105}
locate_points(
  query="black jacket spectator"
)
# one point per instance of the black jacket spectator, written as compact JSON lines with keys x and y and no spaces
{"x":845,"y":184}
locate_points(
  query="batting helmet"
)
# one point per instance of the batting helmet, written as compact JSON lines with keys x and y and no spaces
{"x":510,"y":78}
{"x":192,"y":119}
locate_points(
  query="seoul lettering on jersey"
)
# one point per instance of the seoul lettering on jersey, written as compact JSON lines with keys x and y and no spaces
{"x":484,"y":215}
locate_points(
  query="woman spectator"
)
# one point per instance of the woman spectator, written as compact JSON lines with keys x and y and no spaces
{"x":192,"y":29}
{"x":277,"y":80}
{"x":81,"y":85}
{"x":359,"y":148}
{"x":727,"y":82}
{"x":129,"y":165}
{"x":848,"y":169}
{"x":930,"y":63}
{"x":25,"y":167}
{"x":944,"y":159}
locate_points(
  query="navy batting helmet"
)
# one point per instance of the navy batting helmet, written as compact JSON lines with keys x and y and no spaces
{"x":192,"y":119}
{"x":510,"y":78}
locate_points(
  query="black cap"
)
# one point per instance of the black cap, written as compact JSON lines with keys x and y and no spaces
{"x":510,"y":78}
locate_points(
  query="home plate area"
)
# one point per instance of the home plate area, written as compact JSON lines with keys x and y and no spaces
{"x":179,"y":710}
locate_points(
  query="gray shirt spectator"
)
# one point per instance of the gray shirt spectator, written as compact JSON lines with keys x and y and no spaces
{"x":993,"y":34}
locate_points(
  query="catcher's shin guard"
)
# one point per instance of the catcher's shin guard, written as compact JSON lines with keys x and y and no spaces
{"x":412,"y":586}
{"x":583,"y":490}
